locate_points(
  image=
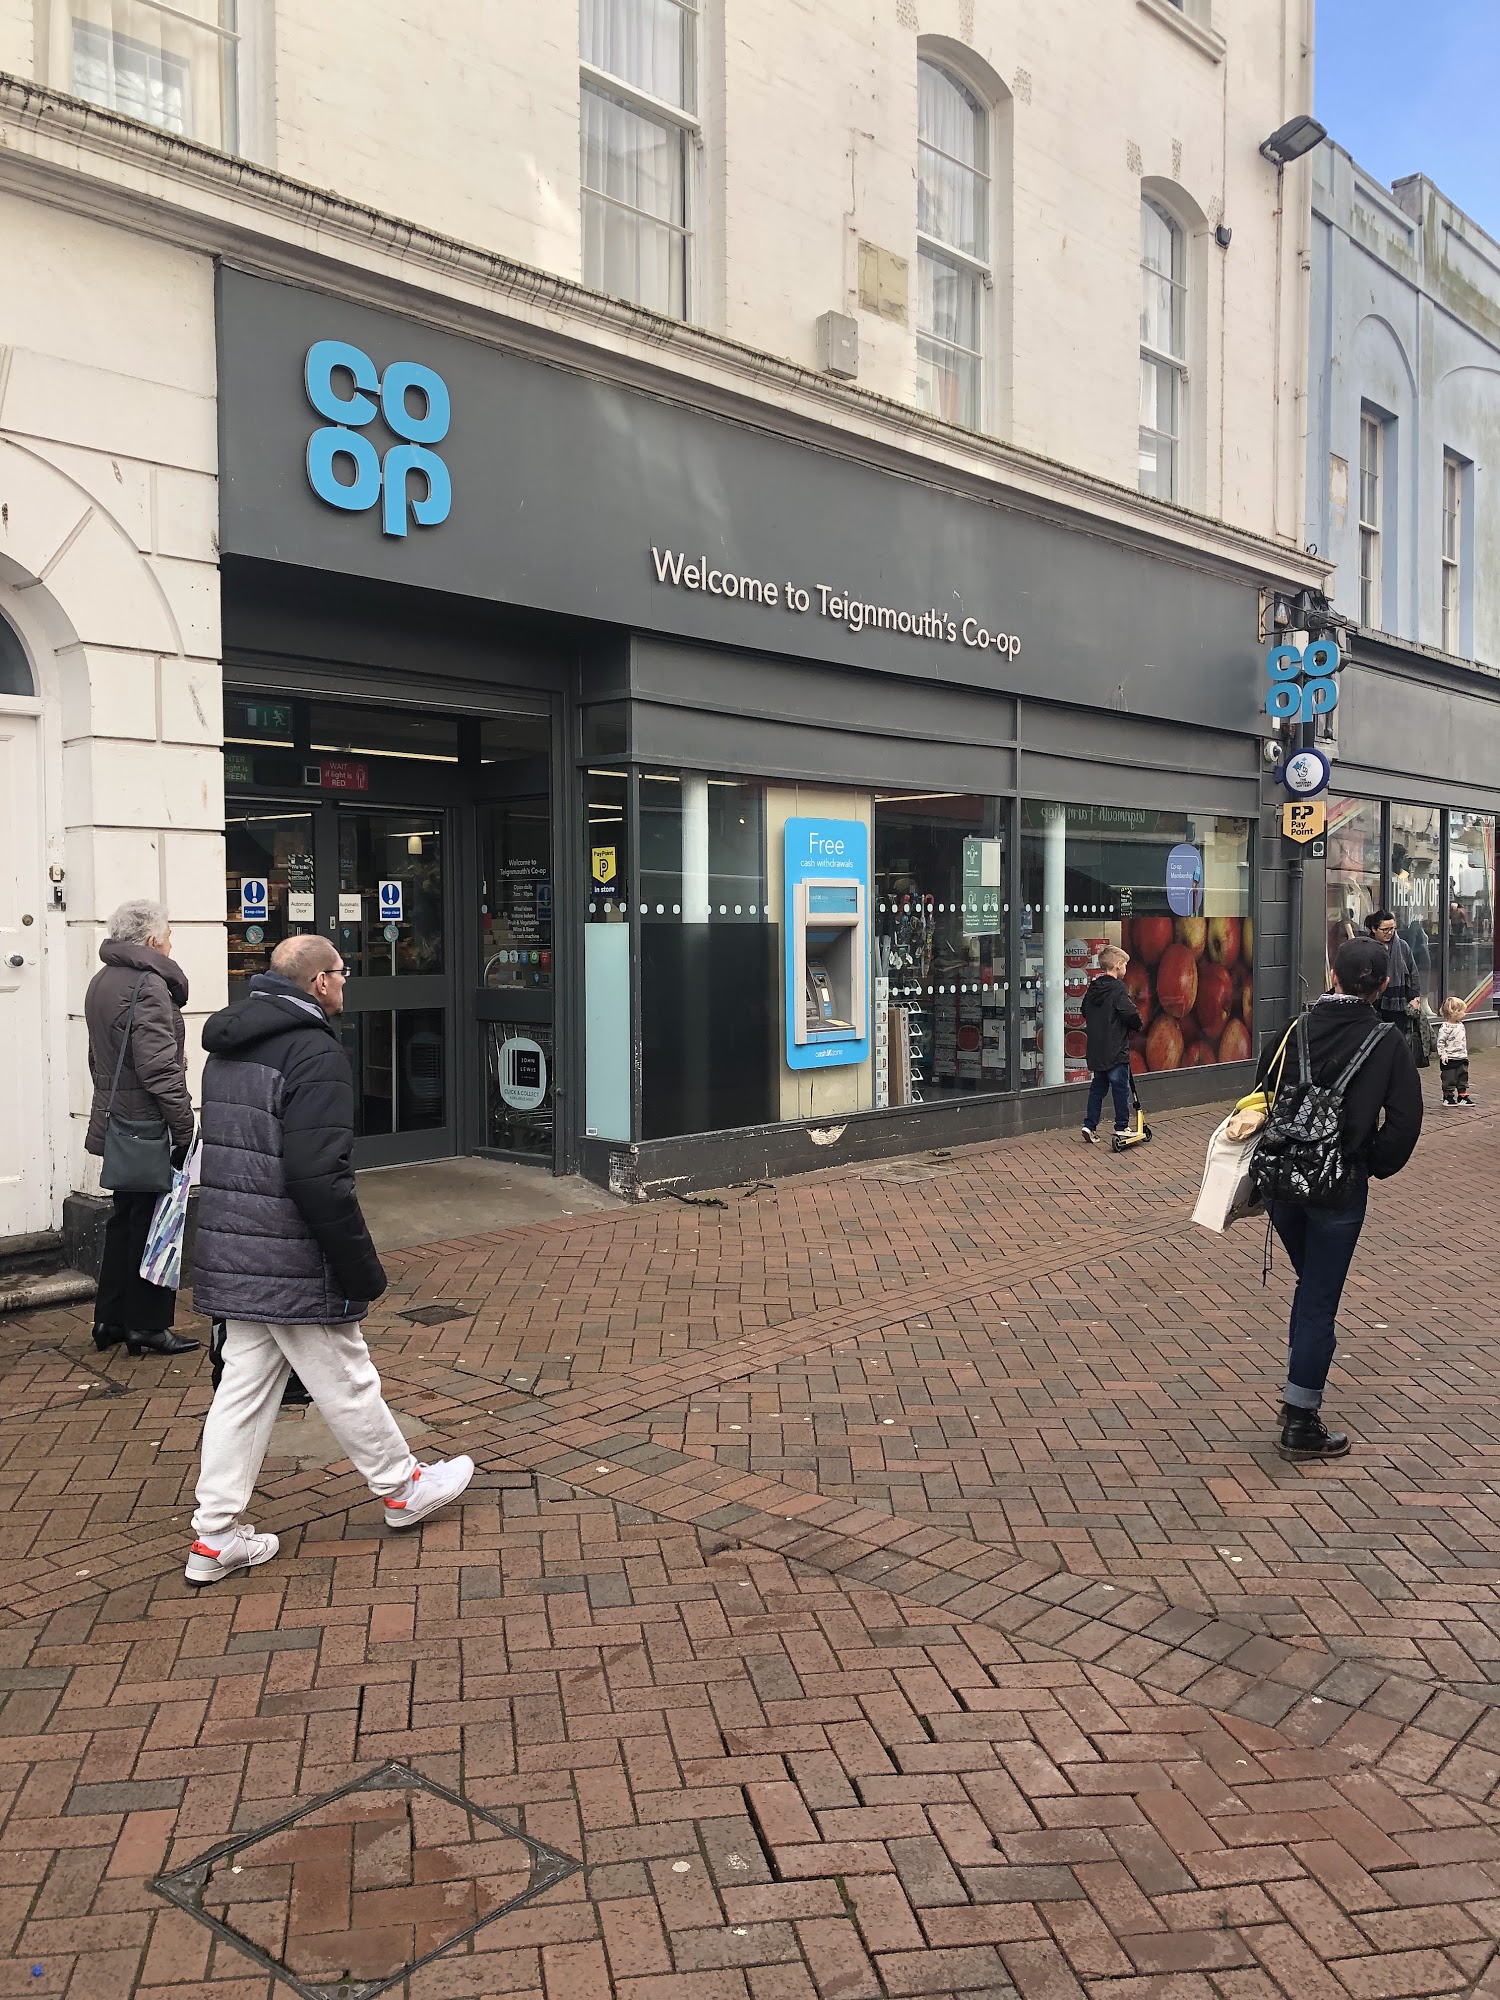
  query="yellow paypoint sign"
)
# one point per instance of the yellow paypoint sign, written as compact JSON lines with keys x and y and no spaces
{"x":1305,"y":820}
{"x":604,"y":866}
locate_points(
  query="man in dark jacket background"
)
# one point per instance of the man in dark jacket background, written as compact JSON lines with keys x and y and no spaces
{"x":1110,"y":1017}
{"x":283,"y":1257}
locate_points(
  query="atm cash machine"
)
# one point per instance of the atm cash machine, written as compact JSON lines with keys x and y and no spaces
{"x":828,"y":942}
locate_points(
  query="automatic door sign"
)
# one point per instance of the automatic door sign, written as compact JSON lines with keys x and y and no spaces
{"x":1304,"y":820}
{"x":390,"y":902}
{"x":255,"y":899}
{"x":604,"y":866}
{"x":523,"y":1073}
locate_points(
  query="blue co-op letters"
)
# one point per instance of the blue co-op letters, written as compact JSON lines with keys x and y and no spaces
{"x":344,"y":437}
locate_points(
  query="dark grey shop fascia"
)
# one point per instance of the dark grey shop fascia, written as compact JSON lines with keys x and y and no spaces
{"x":568,"y":495}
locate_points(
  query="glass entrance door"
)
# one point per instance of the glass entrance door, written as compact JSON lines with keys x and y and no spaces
{"x":388,"y":915}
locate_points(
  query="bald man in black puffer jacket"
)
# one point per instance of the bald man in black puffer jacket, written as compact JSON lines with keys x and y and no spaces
{"x":283,"y":1257}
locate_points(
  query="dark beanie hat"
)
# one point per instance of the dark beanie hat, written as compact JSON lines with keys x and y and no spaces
{"x":1360,"y":964}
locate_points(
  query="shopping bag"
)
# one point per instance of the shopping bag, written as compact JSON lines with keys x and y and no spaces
{"x":161,"y":1261}
{"x":1225,"y":1193}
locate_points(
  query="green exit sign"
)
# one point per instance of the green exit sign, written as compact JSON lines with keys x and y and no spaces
{"x":269,"y":718}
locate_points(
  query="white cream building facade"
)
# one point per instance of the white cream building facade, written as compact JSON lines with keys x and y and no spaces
{"x":1036,"y":253}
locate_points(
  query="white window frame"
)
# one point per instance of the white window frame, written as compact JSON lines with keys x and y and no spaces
{"x":685,"y":121}
{"x":936,"y":250}
{"x":1452,"y":553}
{"x":226,"y":31}
{"x":1371,"y":509}
{"x":1162,"y":358}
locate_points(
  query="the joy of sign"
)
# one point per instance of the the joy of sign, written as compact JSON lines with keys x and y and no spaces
{"x":1302,"y":685}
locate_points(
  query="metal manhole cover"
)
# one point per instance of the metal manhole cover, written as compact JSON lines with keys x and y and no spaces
{"x":435,"y":1315}
{"x":352,"y":1892}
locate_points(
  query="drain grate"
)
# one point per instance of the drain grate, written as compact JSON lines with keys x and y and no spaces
{"x":352,"y":1892}
{"x":436,"y":1315}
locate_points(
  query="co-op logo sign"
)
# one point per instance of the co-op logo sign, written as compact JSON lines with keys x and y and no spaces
{"x":350,"y":464}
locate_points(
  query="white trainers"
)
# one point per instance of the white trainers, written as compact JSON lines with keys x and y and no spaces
{"x":430,"y":1487}
{"x":240,"y":1549}
{"x":1090,"y":1136}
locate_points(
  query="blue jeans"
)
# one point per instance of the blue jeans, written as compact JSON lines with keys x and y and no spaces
{"x":1116,"y":1080}
{"x":1320,"y":1243}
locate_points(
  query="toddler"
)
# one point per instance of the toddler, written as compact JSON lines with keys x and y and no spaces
{"x":1453,"y":1052}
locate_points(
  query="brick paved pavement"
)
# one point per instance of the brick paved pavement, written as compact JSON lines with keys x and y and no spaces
{"x":878,"y":1600}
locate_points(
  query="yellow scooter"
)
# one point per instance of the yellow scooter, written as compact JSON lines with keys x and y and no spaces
{"x":1139,"y":1133}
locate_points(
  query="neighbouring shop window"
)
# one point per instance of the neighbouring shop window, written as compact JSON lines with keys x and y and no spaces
{"x":1417,"y":887}
{"x":1352,"y":873}
{"x":606,"y":955}
{"x":515,"y":910}
{"x":709,"y":956}
{"x":180,"y":66}
{"x":1471,"y":910}
{"x":942,"y":908}
{"x":1174,"y":889}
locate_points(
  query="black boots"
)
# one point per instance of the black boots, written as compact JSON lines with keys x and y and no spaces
{"x":1305,"y":1435}
{"x":138,"y":1343}
{"x":158,"y":1343}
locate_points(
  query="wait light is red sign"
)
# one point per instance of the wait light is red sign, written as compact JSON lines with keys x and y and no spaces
{"x":343,"y":775}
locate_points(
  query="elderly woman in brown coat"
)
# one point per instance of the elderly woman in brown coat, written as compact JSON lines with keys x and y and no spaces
{"x":153,"y":1085}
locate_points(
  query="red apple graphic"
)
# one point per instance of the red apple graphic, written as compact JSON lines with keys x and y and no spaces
{"x":1138,"y":1063}
{"x":1198,"y":1054}
{"x":1164,"y":1044}
{"x":1150,"y":936}
{"x":1177,"y":981}
{"x":1247,"y":1004}
{"x":1193,"y":932}
{"x":1138,"y":986}
{"x":1223,"y":940}
{"x":1247,"y":940}
{"x":1234,"y":1043}
{"x":1215,"y":1002}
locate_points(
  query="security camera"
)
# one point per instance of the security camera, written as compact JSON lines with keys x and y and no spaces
{"x":1272,"y":751}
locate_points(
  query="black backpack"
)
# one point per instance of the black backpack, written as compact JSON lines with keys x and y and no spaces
{"x":1301,"y":1155}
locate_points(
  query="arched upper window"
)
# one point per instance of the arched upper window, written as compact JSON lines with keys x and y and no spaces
{"x":15,"y":668}
{"x":953,"y":245}
{"x":1164,"y":369}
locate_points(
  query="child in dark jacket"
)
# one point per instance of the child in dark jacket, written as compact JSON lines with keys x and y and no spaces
{"x":1110,"y":1017}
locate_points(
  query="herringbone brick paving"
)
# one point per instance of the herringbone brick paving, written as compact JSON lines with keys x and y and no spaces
{"x":883,"y":1585}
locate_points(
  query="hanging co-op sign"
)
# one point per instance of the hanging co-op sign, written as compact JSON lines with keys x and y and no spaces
{"x":390,"y":902}
{"x":1301,"y":684}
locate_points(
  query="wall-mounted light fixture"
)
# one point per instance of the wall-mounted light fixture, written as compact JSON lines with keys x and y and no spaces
{"x":1290,"y":141}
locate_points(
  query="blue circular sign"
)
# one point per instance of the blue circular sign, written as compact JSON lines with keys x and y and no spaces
{"x":253,"y":934}
{"x":392,"y":932}
{"x":1306,"y":773}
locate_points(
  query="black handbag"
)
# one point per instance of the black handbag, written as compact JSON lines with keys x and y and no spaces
{"x":137,"y":1151}
{"x":1301,"y":1155}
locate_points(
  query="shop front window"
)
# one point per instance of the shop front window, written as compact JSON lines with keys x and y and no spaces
{"x":1352,"y":875}
{"x":1471,"y":910}
{"x":708,"y":958}
{"x":1174,"y":891}
{"x":941,"y":914}
{"x":1416,"y":888}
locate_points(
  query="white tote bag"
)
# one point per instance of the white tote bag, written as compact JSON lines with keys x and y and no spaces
{"x":1225,"y":1192}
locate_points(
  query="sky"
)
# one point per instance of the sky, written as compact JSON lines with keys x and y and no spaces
{"x":1413,"y":87}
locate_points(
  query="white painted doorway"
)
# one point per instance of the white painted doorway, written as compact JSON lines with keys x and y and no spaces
{"x":25,"y":1178}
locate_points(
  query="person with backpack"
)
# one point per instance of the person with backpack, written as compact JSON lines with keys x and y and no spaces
{"x":1348,"y":1107}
